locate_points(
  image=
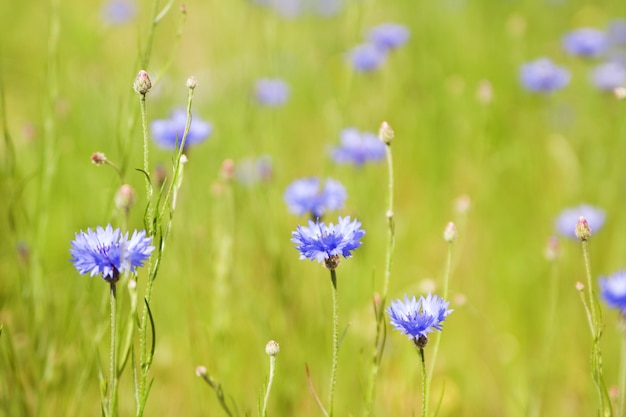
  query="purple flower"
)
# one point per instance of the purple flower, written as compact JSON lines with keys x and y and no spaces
{"x":272,"y":92}
{"x":616,"y":32}
{"x":568,"y":219}
{"x":609,"y":76}
{"x":168,"y":133}
{"x":543,"y":76}
{"x":613,"y":290}
{"x":366,"y":57}
{"x":417,"y":318}
{"x":585,"y":42}
{"x":109,"y":253}
{"x":358,"y":147}
{"x":388,"y":35}
{"x":117,"y":12}
{"x":306,"y":196}
{"x":319,"y":242}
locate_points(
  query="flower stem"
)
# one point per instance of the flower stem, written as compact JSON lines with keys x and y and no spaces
{"x":112,"y":394}
{"x":622,"y":369}
{"x":424,"y":381}
{"x":269,"y":385}
{"x":591,"y":295}
{"x":333,"y":369}
{"x":144,"y":124}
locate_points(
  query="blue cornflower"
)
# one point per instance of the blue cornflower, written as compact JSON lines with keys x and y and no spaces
{"x":319,"y":242}
{"x":543,"y":75}
{"x":416,"y":318}
{"x":388,"y":35}
{"x":109,"y":253}
{"x":613,"y":290}
{"x":117,"y":12}
{"x":585,"y":42}
{"x":168,"y":133}
{"x":568,"y":219}
{"x":272,"y":92}
{"x":307,"y":196}
{"x":366,"y":57}
{"x":609,"y":76}
{"x":358,"y":147}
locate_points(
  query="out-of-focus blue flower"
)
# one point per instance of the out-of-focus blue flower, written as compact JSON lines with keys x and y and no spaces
{"x":585,"y":42}
{"x":609,"y":76}
{"x":272,"y":92}
{"x":568,"y":219}
{"x":328,"y":7}
{"x":358,"y":147}
{"x":616,"y":32}
{"x":319,"y":242}
{"x":109,"y":253}
{"x":388,"y":35}
{"x":307,"y":196}
{"x":543,"y":75}
{"x":168,"y":133}
{"x":366,"y":57}
{"x":613,"y":290}
{"x":418,"y":317}
{"x":117,"y":12}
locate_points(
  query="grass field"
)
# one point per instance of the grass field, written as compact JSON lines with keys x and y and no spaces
{"x":466,"y":129}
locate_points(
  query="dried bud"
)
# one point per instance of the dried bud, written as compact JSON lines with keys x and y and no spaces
{"x":227,"y":171}
{"x":272,"y":348}
{"x":385,"y":133}
{"x":579,"y":286}
{"x":583,"y":231}
{"x":142,"y":83}
{"x":98,"y":158}
{"x":192,"y":82}
{"x":201,"y":371}
{"x":125,"y":197}
{"x":553,"y":250}
{"x":449,"y":235}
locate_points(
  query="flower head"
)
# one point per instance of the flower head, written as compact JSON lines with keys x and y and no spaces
{"x":307,"y":196}
{"x":117,"y":12}
{"x":319,"y":242}
{"x":613,"y":290}
{"x":366,"y":57}
{"x":566,"y":223}
{"x":388,"y":35}
{"x":418,"y":317}
{"x":609,"y":76}
{"x":358,"y":147}
{"x":543,"y":75}
{"x":271,"y":92}
{"x":168,"y":133}
{"x":109,"y":253}
{"x":585,"y":42}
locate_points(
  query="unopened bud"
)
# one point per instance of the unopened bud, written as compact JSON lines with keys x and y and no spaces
{"x":484,"y":92}
{"x":579,"y":286}
{"x":142,"y":83}
{"x":183,"y":9}
{"x":620,"y":93}
{"x":125,"y":197}
{"x":583,"y":231}
{"x":449,"y":235}
{"x":462,"y":204}
{"x":132,"y":284}
{"x":192,"y":82}
{"x":98,"y":158}
{"x":201,"y":371}
{"x":385,"y":133}
{"x":272,"y":348}
{"x":227,"y":171}
{"x":553,"y":250}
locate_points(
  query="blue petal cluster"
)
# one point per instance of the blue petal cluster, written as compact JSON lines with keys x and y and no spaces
{"x":271,"y":92}
{"x":543,"y":75}
{"x":293,"y":8}
{"x":566,"y":222}
{"x":609,"y":76}
{"x":168,"y":133}
{"x":319,"y":242}
{"x":616,"y":32}
{"x":109,"y":253}
{"x":118,"y":12}
{"x":613,"y":290}
{"x":585,"y":42}
{"x":366,"y":57}
{"x":418,"y":317}
{"x":358,"y":147}
{"x":388,"y":35}
{"x":307,"y":196}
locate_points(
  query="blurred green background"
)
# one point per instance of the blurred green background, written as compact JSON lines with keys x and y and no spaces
{"x":520,"y":157}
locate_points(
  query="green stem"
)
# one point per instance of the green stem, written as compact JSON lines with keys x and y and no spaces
{"x":391,"y":225}
{"x":269,"y":385}
{"x":424,"y":381}
{"x":146,"y":166}
{"x":591,"y":295}
{"x":143,"y":351}
{"x":333,"y":370}
{"x":622,"y":370}
{"x":112,"y":394}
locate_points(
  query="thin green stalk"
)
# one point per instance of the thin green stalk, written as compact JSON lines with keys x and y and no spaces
{"x":333,"y":370}
{"x":424,"y":381}
{"x":112,"y":394}
{"x":391,"y":225}
{"x":146,"y":166}
{"x":591,"y":294}
{"x":621,"y":403}
{"x":269,"y":385}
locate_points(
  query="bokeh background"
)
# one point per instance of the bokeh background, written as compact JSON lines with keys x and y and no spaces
{"x":466,"y":128}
